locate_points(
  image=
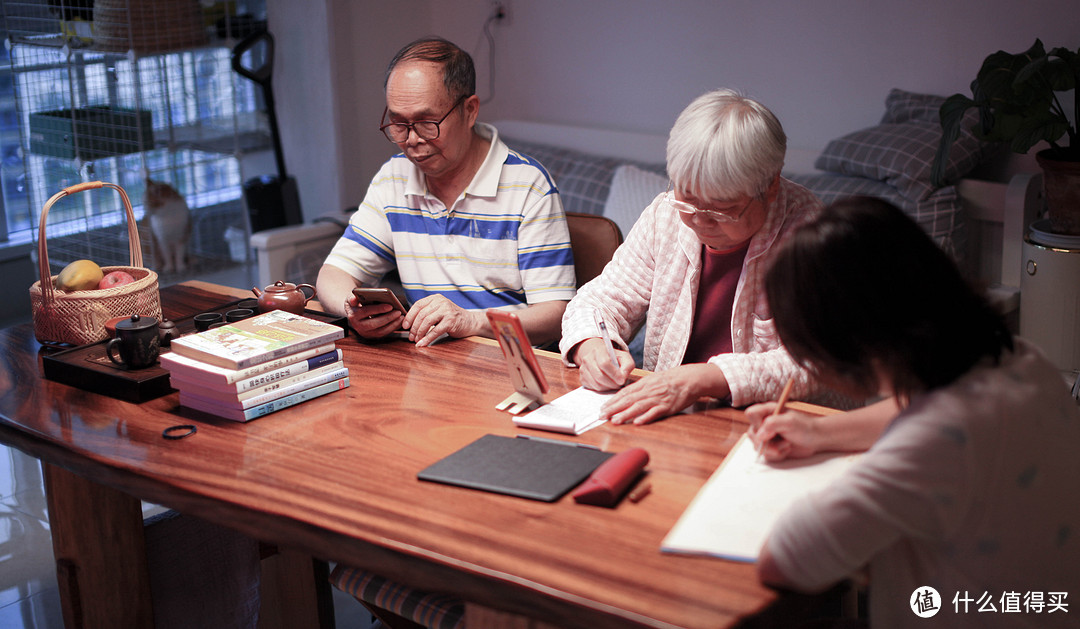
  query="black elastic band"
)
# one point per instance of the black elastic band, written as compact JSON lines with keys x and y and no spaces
{"x":179,"y":432}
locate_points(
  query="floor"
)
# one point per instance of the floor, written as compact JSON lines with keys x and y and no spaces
{"x":29,"y":598}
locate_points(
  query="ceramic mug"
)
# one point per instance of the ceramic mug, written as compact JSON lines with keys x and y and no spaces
{"x":136,"y":344}
{"x":250,"y":303}
{"x":238,"y":314}
{"x":205,"y":319}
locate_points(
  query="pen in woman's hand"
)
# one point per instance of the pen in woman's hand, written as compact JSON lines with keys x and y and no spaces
{"x":606,"y":337}
{"x":780,"y":404}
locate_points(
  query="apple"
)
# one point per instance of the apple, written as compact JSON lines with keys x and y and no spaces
{"x":115,"y":278}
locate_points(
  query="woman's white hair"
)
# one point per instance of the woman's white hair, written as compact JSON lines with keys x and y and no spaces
{"x":725,"y":145}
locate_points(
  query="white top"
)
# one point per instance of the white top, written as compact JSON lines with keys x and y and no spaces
{"x":974,"y":490}
{"x":503,"y":243}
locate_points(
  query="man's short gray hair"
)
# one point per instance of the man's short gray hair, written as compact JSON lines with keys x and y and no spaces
{"x":459,"y":74}
{"x":724,"y":145}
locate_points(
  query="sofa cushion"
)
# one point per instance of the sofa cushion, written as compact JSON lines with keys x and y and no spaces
{"x":938,"y":214}
{"x":436,"y":611}
{"x":900,"y":151}
{"x":904,"y":106}
{"x":632,"y":190}
{"x":583,"y":180}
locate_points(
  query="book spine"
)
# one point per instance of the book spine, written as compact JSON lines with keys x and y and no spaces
{"x":308,"y":380}
{"x":296,"y":398}
{"x":270,"y":378}
{"x":264,"y":409}
{"x":296,"y":387}
{"x":193,"y":370}
{"x":230,"y":397}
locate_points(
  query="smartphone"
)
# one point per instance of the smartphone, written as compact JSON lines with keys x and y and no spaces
{"x":372,"y":296}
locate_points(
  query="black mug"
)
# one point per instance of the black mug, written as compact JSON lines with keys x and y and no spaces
{"x":204,"y":320}
{"x":250,"y":303}
{"x":137,"y":343}
{"x":238,"y":314}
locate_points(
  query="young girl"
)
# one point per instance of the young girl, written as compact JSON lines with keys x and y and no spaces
{"x":972,"y":489}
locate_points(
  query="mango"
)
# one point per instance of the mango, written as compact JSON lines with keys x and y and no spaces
{"x":79,"y":275}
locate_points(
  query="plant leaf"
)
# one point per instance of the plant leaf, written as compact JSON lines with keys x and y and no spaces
{"x":1033,"y":129}
{"x":952,"y":117}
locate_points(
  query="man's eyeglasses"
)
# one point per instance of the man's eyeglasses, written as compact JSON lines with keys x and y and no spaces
{"x":733,"y":216}
{"x":398,"y":132}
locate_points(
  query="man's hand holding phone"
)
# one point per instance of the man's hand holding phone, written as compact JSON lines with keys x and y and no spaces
{"x":374,"y":312}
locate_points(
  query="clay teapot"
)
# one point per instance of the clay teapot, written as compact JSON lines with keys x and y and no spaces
{"x":284,"y":296}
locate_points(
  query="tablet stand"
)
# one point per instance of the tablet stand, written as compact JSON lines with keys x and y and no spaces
{"x":529,"y":382}
{"x":518,"y":403}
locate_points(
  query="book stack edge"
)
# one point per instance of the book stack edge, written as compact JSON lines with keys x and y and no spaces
{"x":257,"y":366}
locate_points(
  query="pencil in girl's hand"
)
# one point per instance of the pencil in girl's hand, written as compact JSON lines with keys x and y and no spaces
{"x":784,"y":397}
{"x":780,"y":404}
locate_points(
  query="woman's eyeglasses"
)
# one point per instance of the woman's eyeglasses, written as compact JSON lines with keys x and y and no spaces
{"x":728,"y":216}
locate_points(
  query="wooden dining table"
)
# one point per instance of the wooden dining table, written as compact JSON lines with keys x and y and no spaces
{"x":335,"y":480}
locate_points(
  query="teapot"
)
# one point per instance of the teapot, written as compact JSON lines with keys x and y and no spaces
{"x":285,"y":296}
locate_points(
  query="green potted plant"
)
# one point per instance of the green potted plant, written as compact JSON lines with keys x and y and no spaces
{"x":1018,"y":97}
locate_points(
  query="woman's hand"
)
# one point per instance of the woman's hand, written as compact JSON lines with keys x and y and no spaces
{"x":597,"y":371}
{"x":664,"y":393}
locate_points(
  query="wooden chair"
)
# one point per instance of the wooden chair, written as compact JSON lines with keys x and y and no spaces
{"x":593,"y":239}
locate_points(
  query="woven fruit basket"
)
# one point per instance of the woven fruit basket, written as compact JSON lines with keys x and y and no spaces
{"x":78,"y":317}
{"x":148,"y":26}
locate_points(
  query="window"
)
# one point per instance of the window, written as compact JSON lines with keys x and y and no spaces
{"x":14,"y":206}
{"x":72,"y":114}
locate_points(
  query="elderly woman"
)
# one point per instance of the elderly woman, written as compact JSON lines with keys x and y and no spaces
{"x":691,"y":269}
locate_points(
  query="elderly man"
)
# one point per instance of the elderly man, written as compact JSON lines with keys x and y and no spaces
{"x":691,"y":269}
{"x":468,"y":224}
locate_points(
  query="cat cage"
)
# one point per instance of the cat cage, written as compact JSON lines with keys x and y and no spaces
{"x":125,"y":90}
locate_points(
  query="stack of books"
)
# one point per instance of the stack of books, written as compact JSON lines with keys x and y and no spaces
{"x":256,"y":366}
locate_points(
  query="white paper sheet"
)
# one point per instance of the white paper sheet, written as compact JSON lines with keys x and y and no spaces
{"x":736,"y":508}
{"x":572,"y":413}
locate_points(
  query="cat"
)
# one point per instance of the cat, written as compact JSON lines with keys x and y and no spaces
{"x":169,"y":217}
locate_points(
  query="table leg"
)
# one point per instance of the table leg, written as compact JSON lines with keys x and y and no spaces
{"x":295,"y":592}
{"x":100,"y":552}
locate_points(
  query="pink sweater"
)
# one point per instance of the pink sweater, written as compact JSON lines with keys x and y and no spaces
{"x":653,"y":279}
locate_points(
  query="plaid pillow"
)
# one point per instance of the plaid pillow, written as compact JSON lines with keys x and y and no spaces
{"x":900,"y":150}
{"x":900,"y":154}
{"x":901,"y":106}
{"x":938,"y":214}
{"x":583,"y":181}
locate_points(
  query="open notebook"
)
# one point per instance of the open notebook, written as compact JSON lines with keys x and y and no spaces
{"x":734,"y":511}
{"x":572,"y":413}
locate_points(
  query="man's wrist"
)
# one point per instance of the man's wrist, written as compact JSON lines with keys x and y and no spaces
{"x":481,"y":325}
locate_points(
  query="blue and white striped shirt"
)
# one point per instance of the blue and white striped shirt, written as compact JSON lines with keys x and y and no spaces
{"x":503,"y":244}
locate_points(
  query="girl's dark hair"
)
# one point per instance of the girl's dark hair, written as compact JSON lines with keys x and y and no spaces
{"x":459,"y":74}
{"x":864,"y":285}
